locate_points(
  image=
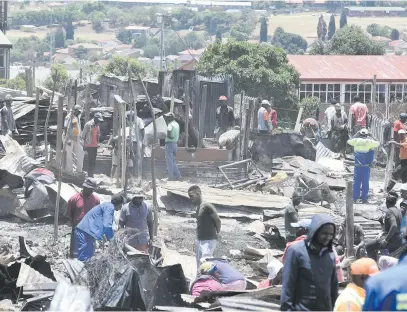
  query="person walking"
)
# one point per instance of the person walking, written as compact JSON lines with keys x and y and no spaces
{"x":98,"y":222}
{"x":263,"y":124}
{"x":273,"y":117}
{"x":339,"y":131}
{"x":329,"y":114}
{"x":359,"y":118}
{"x":90,"y":137}
{"x":137,"y":216}
{"x":353,"y":297}
{"x":72,"y":134}
{"x":171,"y":147}
{"x":208,"y":225}
{"x":10,"y":115}
{"x":363,"y":146}
{"x":290,"y":217}
{"x":79,"y":205}
{"x":310,"y":281}
{"x":225,"y":119}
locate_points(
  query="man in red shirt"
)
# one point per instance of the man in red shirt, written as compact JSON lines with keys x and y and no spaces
{"x":80,"y":204}
{"x":90,"y":137}
{"x":359,"y":115}
{"x":273,"y":117}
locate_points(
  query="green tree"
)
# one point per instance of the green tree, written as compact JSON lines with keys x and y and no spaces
{"x":310,"y":106}
{"x":259,"y":69}
{"x":114,"y":14}
{"x":119,"y":66}
{"x":187,"y":18}
{"x":352,"y":40}
{"x":59,"y":38}
{"x":291,"y":43}
{"x":263,"y":29}
{"x":344,"y":20}
{"x":194,"y":40}
{"x":238,"y":35}
{"x":374,"y":29}
{"x":59,"y":76}
{"x":69,"y":30}
{"x":81,"y":53}
{"x":97,"y":21}
{"x":217,"y":20}
{"x":317,"y":48}
{"x":91,"y":7}
{"x":321,"y":29}
{"x":17,"y":83}
{"x":385,"y":31}
{"x":151,"y":50}
{"x":140,"y":41}
{"x":331,"y":27}
{"x":124,"y":36}
{"x":395,"y":34}
{"x":218,"y":35}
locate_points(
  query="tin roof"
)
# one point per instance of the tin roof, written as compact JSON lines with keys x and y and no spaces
{"x":387,"y":68}
{"x":4,"y":42}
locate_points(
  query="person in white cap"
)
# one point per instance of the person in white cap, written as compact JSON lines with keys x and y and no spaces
{"x":263,"y":124}
{"x":363,"y":146}
{"x":400,"y":173}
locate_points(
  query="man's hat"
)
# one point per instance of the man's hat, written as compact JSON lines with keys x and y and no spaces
{"x":364,"y":266}
{"x":265,"y":102}
{"x":90,"y":183}
{"x":364,"y":131}
{"x":304,"y":223}
{"x":338,"y":106}
{"x":98,"y":116}
{"x":223,"y":98}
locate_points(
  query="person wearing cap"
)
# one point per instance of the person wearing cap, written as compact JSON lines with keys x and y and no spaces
{"x":363,"y":148}
{"x":390,"y":239}
{"x":225,"y":119}
{"x":400,"y":173}
{"x":263,"y":124}
{"x":359,"y":115}
{"x":226,"y":274}
{"x":137,"y":217}
{"x":90,"y":138}
{"x":339,"y":130}
{"x":291,"y":216}
{"x":80,"y":204}
{"x":72,"y":134}
{"x":310,"y":281}
{"x":353,"y":297}
{"x":171,"y":147}
{"x":208,"y":224}
{"x":98,"y":222}
{"x":10,"y":115}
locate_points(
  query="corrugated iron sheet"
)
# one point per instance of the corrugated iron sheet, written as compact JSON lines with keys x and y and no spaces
{"x":247,"y":304}
{"x":350,"y":67}
{"x":74,"y":267}
{"x":71,"y":298}
{"x":28,"y":275}
{"x":324,"y":152}
{"x":377,"y":128}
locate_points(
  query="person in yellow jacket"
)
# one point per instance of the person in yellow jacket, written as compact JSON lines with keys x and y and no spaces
{"x":353,"y":297}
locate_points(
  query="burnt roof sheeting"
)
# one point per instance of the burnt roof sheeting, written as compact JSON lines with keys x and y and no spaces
{"x":347,"y":68}
{"x":28,"y":275}
{"x":247,"y":304}
{"x":71,"y":298}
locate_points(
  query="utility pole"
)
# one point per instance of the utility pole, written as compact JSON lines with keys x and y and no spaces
{"x":160,"y":19}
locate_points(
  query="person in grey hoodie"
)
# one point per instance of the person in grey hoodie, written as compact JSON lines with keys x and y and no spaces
{"x":310,"y":282}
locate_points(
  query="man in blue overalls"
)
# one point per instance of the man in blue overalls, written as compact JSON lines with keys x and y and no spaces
{"x":363,"y":145}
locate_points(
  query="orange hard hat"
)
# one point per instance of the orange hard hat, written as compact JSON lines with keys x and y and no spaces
{"x":364,"y":266}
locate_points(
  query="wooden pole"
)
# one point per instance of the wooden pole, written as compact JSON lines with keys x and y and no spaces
{"x":56,"y":216}
{"x":186,"y":113}
{"x":155,"y":203}
{"x":374,"y":95}
{"x":60,"y":125}
{"x":33,"y":76}
{"x":390,"y":165}
{"x":80,"y":75}
{"x":47,"y":121}
{"x":76,"y":92}
{"x":139,"y":157}
{"x":202,"y":114}
{"x":297,"y":126}
{"x":69,"y":107}
{"x":249,"y":113}
{"x":124,"y":137}
{"x":172,"y":103}
{"x":116,"y":131}
{"x":37,"y":108}
{"x":350,"y":251}
{"x":242,"y":96}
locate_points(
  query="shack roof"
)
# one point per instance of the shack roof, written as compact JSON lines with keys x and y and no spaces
{"x":378,"y":9}
{"x":4,"y":42}
{"x":387,"y":68}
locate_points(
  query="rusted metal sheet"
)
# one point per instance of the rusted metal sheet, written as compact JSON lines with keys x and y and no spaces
{"x":332,"y":68}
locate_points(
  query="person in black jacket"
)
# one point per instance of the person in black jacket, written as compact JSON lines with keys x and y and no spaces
{"x":310,"y":281}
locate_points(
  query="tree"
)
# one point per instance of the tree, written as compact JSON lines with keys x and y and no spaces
{"x":218,"y":35}
{"x":60,"y":76}
{"x":140,"y":41}
{"x":97,"y":21}
{"x":344,"y":20}
{"x":321,"y":30}
{"x":119,"y":66}
{"x":69,"y":30}
{"x":331,"y":27}
{"x":310,"y":106}
{"x":81,"y":52}
{"x":194,"y":40}
{"x":217,"y":20}
{"x":124,"y":36}
{"x":259,"y":69}
{"x":317,"y":48}
{"x":291,"y":43}
{"x":395,"y":34}
{"x":352,"y":40}
{"x":151,"y":50}
{"x":374,"y":29}
{"x":263,"y":30}
{"x":59,"y":38}
{"x":238,"y":35}
{"x":91,"y":7}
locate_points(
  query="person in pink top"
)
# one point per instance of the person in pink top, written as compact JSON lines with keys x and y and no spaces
{"x":90,"y":137}
{"x":359,"y":117}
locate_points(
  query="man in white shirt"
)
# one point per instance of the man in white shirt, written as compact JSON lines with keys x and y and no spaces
{"x":138,"y":129}
{"x":330,"y":113}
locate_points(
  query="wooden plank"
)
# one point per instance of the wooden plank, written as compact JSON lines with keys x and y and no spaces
{"x":186,"y":113}
{"x":60,"y":125}
{"x":202,"y":112}
{"x":297,"y":127}
{"x":249,"y":113}
{"x":35,"y":132}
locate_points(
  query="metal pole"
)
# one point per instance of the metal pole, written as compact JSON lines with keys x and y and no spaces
{"x":47,"y":121}
{"x":60,"y":124}
{"x":202,"y":113}
{"x":37,"y":108}
{"x":242,"y":95}
{"x":186,"y":112}
{"x":139,"y":157}
{"x":374,"y":95}
{"x":350,"y":251}
{"x":162,"y":44}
